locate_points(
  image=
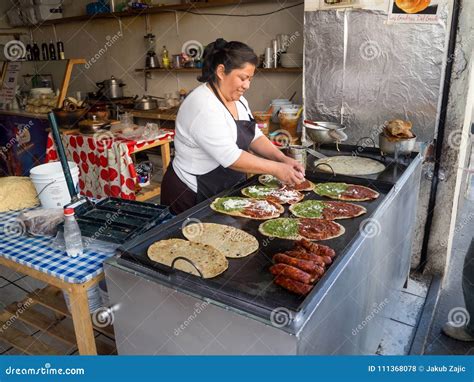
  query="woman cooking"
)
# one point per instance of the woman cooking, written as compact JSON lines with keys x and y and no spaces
{"x":215,"y":132}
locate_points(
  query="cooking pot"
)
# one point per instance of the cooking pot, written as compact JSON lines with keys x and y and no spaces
{"x":91,"y":126}
{"x":401,"y":146}
{"x":147,"y":103}
{"x":111,"y":88}
{"x":325,"y":132}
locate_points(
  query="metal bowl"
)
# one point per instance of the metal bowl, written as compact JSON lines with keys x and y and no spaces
{"x":325,"y":132}
{"x":402,"y":146}
{"x":69,"y":119}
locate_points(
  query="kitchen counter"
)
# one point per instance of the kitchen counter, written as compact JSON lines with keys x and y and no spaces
{"x":243,"y":305}
{"x":21,"y":113}
{"x":164,"y":115}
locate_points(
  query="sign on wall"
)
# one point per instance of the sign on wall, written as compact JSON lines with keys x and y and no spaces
{"x":414,"y":11}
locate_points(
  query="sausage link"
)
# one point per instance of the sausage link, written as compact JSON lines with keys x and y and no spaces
{"x":317,"y":249}
{"x":304,"y":265}
{"x":303,"y":255}
{"x":290,"y":272}
{"x":292,"y":285}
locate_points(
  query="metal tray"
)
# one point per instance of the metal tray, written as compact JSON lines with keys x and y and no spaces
{"x":118,"y":220}
{"x":247,"y":283}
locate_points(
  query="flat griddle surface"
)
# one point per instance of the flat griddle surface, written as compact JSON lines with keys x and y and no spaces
{"x":247,"y":282}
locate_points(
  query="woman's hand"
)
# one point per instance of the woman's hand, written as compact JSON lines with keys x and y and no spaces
{"x":294,"y":163}
{"x":288,"y":173}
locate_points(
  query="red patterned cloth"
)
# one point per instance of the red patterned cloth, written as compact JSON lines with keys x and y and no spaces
{"x":105,"y":162}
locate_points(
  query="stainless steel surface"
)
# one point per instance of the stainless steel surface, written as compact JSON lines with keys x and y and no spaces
{"x":349,"y":318}
{"x":111,"y":88}
{"x":385,"y":76}
{"x":325,"y":132}
{"x":298,"y":153}
{"x":152,"y":61}
{"x":344,"y":316}
{"x":146,"y":103}
{"x":315,"y":153}
{"x":401,"y":147}
{"x":155,"y":319}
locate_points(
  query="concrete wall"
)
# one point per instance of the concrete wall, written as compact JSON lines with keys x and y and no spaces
{"x":456,"y":137}
{"x":85,"y":39}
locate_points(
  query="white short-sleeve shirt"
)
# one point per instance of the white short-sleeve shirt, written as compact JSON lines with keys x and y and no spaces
{"x":206,"y":135}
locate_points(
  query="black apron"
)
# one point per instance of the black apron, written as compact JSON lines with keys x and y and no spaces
{"x":179,"y":197}
{"x":221,"y":178}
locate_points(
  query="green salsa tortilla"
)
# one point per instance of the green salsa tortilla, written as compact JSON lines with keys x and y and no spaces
{"x":283,"y":227}
{"x":330,"y":189}
{"x":231,"y":203}
{"x":308,"y":209}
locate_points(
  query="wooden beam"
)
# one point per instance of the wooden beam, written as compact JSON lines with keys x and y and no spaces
{"x":20,"y":340}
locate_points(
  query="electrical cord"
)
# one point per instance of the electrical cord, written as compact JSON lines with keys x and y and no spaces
{"x":249,"y":15}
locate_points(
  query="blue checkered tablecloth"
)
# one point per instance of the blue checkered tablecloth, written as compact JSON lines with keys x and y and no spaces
{"x":38,"y":253}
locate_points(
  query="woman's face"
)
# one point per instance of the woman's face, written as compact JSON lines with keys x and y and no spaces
{"x":236,"y":83}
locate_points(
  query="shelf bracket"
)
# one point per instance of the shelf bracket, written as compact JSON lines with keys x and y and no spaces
{"x":177,"y":22}
{"x":119,"y":20}
{"x":54,"y":32}
{"x":147,"y":24}
{"x":147,"y":77}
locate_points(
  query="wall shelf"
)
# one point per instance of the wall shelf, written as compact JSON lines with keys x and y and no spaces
{"x":197,"y":70}
{"x":148,"y":72}
{"x":152,"y":10}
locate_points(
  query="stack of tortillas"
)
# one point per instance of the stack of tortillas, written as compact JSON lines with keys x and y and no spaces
{"x":207,"y":259}
{"x":17,"y":193}
{"x":208,"y":246}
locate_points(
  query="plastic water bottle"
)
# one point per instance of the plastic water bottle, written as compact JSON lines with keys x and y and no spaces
{"x":72,"y":234}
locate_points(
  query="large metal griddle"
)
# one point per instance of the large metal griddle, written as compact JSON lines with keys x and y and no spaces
{"x":112,"y":220}
{"x":247,"y":284}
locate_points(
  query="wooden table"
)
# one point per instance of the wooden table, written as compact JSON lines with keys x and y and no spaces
{"x":81,"y":316}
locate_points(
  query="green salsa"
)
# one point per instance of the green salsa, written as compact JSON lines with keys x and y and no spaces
{"x":231,"y":203}
{"x":308,"y":209}
{"x":283,"y":227}
{"x":258,"y":191}
{"x":330,"y":189}
{"x":271,"y":181}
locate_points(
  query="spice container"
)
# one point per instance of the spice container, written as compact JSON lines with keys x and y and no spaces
{"x":289,"y":122}
{"x":262,"y":118}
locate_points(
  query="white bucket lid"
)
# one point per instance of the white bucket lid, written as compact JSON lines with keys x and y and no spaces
{"x":53,"y":169}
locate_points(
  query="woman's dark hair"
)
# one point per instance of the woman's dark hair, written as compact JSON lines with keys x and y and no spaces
{"x":233,"y":55}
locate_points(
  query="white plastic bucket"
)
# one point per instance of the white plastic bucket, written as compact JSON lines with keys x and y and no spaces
{"x":50,"y":183}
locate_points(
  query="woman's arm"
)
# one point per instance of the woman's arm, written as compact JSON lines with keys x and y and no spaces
{"x":263,"y":147}
{"x":253,"y":164}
